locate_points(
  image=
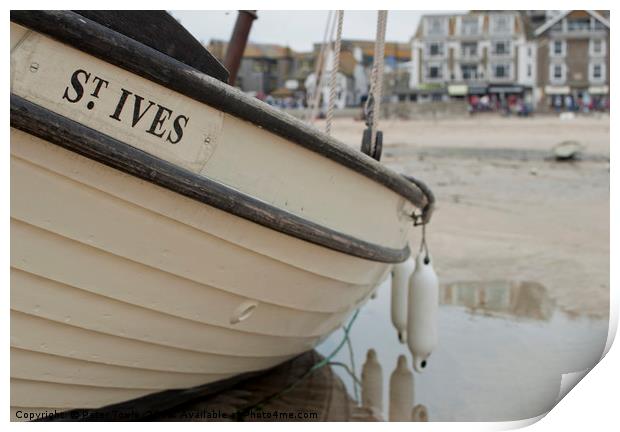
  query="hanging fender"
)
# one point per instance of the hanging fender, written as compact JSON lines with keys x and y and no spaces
{"x":422,"y":311}
{"x":401,"y":273}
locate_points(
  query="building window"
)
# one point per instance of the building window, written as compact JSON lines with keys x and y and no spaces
{"x":501,"y":24}
{"x":501,"y":71}
{"x":469,"y":26}
{"x":469,"y":72}
{"x":529,"y":70}
{"x":435,"y":26}
{"x":434,"y":72}
{"x":597,"y":47}
{"x":501,"y":48}
{"x":597,"y":72}
{"x":557,"y":48}
{"x":579,"y":24}
{"x":598,"y":25}
{"x":469,"y":49}
{"x":434,"y":49}
{"x":557,"y":73}
{"x":529,"y":51}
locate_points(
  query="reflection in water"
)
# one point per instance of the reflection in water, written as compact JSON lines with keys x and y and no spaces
{"x":503,"y":347}
{"x":372,"y":383}
{"x":419,"y":413}
{"x":286,"y":393}
{"x":401,"y":391}
{"x":500,"y":298}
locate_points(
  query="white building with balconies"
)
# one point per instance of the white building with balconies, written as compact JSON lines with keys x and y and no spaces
{"x":478,"y":53}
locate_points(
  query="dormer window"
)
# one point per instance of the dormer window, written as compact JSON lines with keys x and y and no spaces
{"x":469,"y":26}
{"x":501,"y":24}
{"x":436,"y":26}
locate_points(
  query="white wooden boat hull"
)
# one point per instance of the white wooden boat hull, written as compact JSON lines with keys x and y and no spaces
{"x":94,"y":310}
{"x":121,"y":287}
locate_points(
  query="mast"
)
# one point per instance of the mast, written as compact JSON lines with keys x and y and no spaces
{"x":238,"y":41}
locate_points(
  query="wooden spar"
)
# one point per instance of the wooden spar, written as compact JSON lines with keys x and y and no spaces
{"x":238,"y":41}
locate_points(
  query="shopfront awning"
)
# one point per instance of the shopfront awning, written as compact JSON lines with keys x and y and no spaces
{"x":557,"y":90}
{"x":506,"y":89}
{"x":477,"y":89}
{"x":430,"y":89}
{"x":457,"y":90}
{"x":598,"y":90}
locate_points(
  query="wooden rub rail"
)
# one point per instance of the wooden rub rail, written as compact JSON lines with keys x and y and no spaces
{"x":102,"y":148}
{"x":113,"y":47}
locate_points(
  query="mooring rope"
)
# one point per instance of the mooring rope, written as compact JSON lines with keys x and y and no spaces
{"x":334,"y":74}
{"x":326,"y":361}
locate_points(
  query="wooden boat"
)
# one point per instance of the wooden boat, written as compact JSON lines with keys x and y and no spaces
{"x":167,"y":230}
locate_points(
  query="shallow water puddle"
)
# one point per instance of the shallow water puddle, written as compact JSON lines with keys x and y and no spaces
{"x":503,"y":347}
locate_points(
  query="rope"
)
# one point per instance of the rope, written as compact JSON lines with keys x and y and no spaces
{"x":319,"y":65}
{"x":320,"y":81}
{"x":326,"y":361}
{"x":334,"y":74}
{"x":373,"y":103}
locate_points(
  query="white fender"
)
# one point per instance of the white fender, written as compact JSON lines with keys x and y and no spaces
{"x":401,"y":391}
{"x":372,"y":383}
{"x":401,"y":273}
{"x":422,"y":311}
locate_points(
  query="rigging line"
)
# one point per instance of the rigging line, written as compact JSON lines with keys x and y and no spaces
{"x":319,"y":65}
{"x":321,"y":80}
{"x":373,"y":102}
{"x":335,"y":66}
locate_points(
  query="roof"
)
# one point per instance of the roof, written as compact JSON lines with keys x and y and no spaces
{"x":452,"y":21}
{"x":254,"y":50}
{"x":546,"y":26}
{"x":400,"y":50}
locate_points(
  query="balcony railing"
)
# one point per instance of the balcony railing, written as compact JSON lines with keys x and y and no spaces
{"x":472,"y":55}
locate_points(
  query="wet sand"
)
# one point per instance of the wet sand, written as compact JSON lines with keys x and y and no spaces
{"x":505,"y":209}
{"x":521,"y":246}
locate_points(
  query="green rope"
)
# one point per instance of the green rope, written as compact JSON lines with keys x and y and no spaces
{"x":241,"y":413}
{"x":346,"y":367}
{"x":353,"y":368}
{"x":327,"y":359}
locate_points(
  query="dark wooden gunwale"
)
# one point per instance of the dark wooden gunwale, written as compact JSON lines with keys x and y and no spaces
{"x":74,"y":136}
{"x":122,"y":51}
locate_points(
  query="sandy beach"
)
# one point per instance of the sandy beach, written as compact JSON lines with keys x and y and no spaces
{"x":505,"y":209}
